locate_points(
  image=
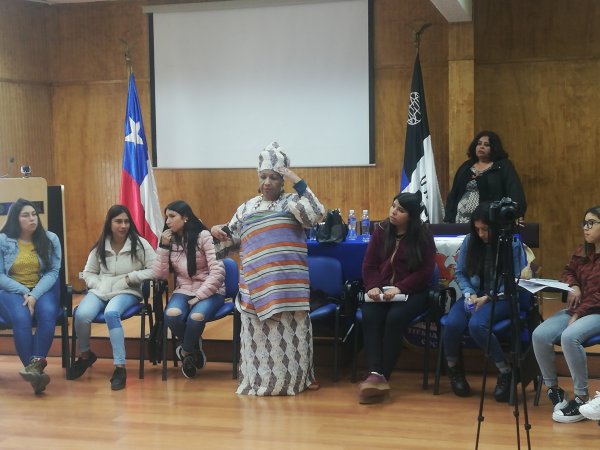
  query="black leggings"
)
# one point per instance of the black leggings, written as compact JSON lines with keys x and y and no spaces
{"x":384,"y":325}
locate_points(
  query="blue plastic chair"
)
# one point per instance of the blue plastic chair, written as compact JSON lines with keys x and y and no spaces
{"x":438,"y":296}
{"x":142,"y":309}
{"x":228,"y":309}
{"x":325,"y":275}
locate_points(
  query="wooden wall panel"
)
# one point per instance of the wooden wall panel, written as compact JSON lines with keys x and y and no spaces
{"x":25,"y":102}
{"x":23,"y":41}
{"x":511,"y":30}
{"x":547,"y":115}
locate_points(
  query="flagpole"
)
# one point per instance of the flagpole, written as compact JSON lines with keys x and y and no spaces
{"x":417,"y":41}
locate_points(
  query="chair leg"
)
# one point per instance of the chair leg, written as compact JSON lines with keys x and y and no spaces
{"x":538,"y":391}
{"x":164,"y":349}
{"x":336,"y":340}
{"x":235,"y":343}
{"x":426,"y":355}
{"x":440,"y":359}
{"x":142,"y":342}
{"x":354,"y":353}
{"x":64,"y":338}
{"x":73,"y":342}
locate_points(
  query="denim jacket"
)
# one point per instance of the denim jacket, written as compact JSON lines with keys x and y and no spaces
{"x":472,"y":285}
{"x":48,"y":275}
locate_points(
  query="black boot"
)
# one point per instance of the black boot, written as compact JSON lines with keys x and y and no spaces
{"x":502,"y":390}
{"x":119,"y":378}
{"x":459,"y":383}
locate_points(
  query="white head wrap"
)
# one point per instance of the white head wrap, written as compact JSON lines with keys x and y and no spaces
{"x":272,"y":158}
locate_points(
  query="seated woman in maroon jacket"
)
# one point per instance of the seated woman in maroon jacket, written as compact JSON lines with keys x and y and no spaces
{"x":400,"y":257}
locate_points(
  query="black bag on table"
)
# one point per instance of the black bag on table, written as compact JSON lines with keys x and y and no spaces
{"x":334,"y":229}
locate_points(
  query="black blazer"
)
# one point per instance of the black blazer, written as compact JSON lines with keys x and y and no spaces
{"x":500,"y":180}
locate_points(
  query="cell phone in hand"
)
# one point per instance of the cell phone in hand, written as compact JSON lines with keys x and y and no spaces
{"x":226,"y":230}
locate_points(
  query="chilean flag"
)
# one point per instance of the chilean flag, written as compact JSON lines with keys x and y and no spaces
{"x":418,"y":173}
{"x":138,"y":189}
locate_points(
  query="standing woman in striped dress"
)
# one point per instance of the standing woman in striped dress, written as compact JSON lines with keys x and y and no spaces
{"x":276,"y":334}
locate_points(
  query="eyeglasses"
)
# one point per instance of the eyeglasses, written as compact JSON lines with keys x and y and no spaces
{"x":587,"y":224}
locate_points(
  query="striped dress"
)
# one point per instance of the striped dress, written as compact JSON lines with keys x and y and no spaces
{"x":276,"y":334}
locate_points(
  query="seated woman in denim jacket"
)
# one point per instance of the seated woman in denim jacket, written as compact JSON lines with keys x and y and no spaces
{"x":572,"y":326}
{"x":29,"y":265}
{"x":476,"y":281}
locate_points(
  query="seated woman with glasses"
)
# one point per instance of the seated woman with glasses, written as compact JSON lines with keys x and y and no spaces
{"x":573,"y":325}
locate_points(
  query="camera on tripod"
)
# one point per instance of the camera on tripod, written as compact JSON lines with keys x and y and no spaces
{"x":503,"y":213}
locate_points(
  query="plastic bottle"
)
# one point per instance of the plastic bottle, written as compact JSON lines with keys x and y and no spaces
{"x":351,"y":226}
{"x":365,"y":225}
{"x":469,"y":305}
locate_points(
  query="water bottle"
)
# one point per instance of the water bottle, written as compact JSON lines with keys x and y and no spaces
{"x":351,"y":226}
{"x":365,"y":225}
{"x":469,"y":305}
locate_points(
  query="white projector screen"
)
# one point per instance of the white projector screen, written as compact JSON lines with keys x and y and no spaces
{"x":230,"y":77}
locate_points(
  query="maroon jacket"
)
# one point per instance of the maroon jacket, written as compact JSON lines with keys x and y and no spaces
{"x":584,"y":271}
{"x":378,"y":270}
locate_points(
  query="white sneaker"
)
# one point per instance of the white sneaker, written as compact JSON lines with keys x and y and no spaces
{"x":591,"y":410}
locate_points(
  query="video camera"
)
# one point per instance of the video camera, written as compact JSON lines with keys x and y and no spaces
{"x":503,"y":213}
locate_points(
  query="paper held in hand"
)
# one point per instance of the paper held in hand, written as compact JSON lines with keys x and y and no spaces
{"x":395,"y":298}
{"x":534,"y":285}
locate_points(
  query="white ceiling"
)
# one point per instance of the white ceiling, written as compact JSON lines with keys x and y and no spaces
{"x":452,"y":10}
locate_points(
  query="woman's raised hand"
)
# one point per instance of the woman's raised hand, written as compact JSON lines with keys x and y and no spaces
{"x":288,"y":174}
{"x":165,"y":237}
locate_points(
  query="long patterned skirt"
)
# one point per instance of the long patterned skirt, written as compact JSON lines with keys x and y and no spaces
{"x":276,"y":354}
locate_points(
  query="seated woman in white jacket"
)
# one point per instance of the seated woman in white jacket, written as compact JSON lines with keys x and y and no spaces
{"x":116,"y":267}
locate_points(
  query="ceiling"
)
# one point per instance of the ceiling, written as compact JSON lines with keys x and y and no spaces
{"x":452,"y":10}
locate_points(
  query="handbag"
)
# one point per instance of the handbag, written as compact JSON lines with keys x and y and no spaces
{"x":334,"y":229}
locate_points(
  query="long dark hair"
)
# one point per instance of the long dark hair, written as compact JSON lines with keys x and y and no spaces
{"x":476,"y":248}
{"x":416,"y":236}
{"x":591,"y":248}
{"x":12,"y":229}
{"x":133,"y":235}
{"x":497,"y":151}
{"x":189,"y":237}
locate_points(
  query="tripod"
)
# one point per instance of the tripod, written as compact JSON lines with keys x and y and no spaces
{"x":504,"y":265}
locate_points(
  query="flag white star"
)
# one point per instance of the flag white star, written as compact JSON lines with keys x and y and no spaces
{"x":134,"y":136}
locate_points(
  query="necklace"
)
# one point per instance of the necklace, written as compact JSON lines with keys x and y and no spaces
{"x":270,"y":203}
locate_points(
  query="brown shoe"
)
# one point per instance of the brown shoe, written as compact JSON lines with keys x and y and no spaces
{"x":373,"y":389}
{"x":34,"y":374}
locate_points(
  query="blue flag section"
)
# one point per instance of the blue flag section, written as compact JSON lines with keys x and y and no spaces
{"x":138,"y":189}
{"x":418,"y":172}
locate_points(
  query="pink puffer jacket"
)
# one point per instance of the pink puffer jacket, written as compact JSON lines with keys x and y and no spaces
{"x":210,"y":272}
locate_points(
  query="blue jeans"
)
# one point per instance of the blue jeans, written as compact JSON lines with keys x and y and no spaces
{"x":45,"y":314}
{"x":187,"y":323}
{"x":571,"y":339}
{"x":89,"y":308}
{"x":478,"y":323}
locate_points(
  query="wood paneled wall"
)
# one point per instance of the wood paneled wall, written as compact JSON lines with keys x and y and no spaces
{"x":25,"y":93}
{"x":537,"y":83}
{"x":535,"y":76}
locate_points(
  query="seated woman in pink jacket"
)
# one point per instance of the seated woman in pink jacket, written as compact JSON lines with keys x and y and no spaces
{"x":186,"y":249}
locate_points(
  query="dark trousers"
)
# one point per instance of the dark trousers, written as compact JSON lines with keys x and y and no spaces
{"x":384,"y":324}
